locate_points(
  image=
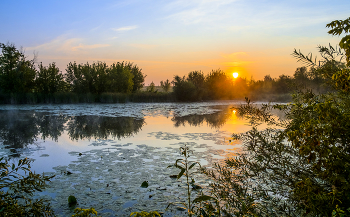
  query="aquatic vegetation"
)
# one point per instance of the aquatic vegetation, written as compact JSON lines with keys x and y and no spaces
{"x":186,"y":166}
{"x":145,"y":214}
{"x":72,"y":201}
{"x":79,"y":212}
{"x":144,"y":184}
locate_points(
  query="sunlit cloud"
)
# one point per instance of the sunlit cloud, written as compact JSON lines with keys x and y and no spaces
{"x":125,"y":28}
{"x":60,"y":43}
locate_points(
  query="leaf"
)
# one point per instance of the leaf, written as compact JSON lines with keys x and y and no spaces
{"x":193,"y":165}
{"x":144,"y":184}
{"x":181,"y":173}
{"x":179,"y":167}
{"x":203,"y":198}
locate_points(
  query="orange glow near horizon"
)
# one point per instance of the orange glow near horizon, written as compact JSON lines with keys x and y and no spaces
{"x":235,"y":74}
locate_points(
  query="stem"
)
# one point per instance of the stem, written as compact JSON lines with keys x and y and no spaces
{"x":188,"y":186}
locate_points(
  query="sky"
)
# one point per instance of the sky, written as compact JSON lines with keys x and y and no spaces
{"x":173,"y":37}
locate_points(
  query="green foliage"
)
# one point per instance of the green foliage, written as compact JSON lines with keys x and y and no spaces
{"x":72,"y":201}
{"x":138,"y":78}
{"x":79,"y":212}
{"x":300,"y":164}
{"x":16,"y":190}
{"x":195,"y":206}
{"x":144,"y":184}
{"x":145,"y":214}
{"x":49,"y":80}
{"x":17,"y":74}
{"x":337,"y":28}
{"x":120,"y":78}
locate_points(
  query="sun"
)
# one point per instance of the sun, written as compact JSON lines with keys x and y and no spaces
{"x":235,"y":74}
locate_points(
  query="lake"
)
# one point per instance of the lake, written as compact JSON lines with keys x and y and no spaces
{"x":110,"y":149}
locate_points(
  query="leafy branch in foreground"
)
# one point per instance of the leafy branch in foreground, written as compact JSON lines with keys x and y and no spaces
{"x":299,"y":166}
{"x":16,"y":190}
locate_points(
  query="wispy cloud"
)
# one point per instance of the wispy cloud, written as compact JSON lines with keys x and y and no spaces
{"x":64,"y":44}
{"x":125,"y":28}
{"x":61,"y":43}
{"x":92,"y":46}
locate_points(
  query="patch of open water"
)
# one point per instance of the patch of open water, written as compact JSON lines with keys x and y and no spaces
{"x":110,"y":149}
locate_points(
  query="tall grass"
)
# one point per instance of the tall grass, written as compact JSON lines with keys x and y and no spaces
{"x":69,"y":98}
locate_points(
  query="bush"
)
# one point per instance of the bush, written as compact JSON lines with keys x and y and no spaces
{"x":299,"y":165}
{"x":16,"y":190}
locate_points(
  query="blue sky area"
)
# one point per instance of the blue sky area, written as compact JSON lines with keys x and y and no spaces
{"x":167,"y":38}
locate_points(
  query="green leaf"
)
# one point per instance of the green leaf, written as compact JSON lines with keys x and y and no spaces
{"x":181,"y":173}
{"x":144,"y":184}
{"x":203,"y":198}
{"x":193,"y":165}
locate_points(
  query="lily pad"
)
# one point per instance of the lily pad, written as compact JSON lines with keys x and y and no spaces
{"x":144,"y":184}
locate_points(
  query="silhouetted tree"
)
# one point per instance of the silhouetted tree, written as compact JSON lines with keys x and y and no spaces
{"x":17,"y":74}
{"x":165,"y":85}
{"x":49,"y":79}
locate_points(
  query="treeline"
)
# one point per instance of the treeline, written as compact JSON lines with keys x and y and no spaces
{"x":22,"y":81}
{"x":220,"y":85}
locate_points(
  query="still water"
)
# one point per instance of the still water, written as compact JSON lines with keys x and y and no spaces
{"x":110,"y":149}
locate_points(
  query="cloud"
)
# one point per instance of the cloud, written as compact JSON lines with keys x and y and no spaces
{"x":66,"y":45}
{"x":124,"y":29}
{"x":85,"y":46}
{"x":60,"y":43}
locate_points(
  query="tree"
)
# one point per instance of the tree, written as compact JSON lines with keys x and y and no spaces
{"x":219,"y":85}
{"x":184,"y":90}
{"x":138,"y":79}
{"x":49,"y":79}
{"x":165,"y":85}
{"x":152,"y":87}
{"x":300,"y":164}
{"x":17,"y":74}
{"x":120,"y":78}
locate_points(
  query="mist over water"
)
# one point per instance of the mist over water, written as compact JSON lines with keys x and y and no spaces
{"x":118,"y":144}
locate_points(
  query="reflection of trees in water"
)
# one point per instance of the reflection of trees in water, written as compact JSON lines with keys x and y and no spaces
{"x":19,"y":129}
{"x":214,"y":120}
{"x":87,"y":127}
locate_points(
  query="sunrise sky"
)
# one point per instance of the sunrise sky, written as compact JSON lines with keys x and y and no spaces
{"x":167,"y":38}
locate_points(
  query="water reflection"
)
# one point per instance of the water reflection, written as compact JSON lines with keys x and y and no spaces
{"x":95,"y":127}
{"x":18,"y":129}
{"x":214,"y":120}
